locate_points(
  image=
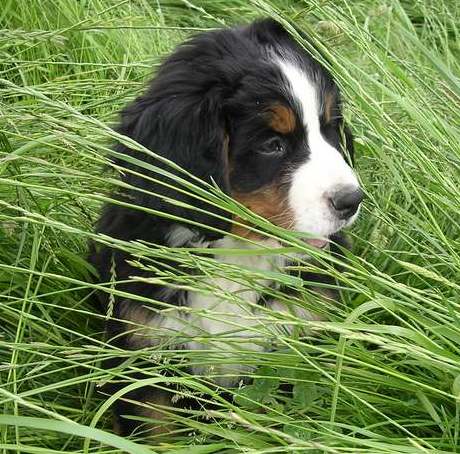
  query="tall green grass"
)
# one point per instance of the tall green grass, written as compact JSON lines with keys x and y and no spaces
{"x":381,"y":375}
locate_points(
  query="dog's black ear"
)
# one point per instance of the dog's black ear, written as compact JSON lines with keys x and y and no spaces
{"x":181,"y":117}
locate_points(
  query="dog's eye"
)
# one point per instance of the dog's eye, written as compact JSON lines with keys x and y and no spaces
{"x":273,"y":146}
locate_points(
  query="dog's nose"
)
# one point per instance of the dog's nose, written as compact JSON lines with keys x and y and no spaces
{"x":346,"y":201}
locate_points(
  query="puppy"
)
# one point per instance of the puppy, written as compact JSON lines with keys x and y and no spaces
{"x":249,"y":110}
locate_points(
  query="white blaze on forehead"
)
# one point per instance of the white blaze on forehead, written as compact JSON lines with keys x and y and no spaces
{"x":304,"y":92}
{"x":324,"y":170}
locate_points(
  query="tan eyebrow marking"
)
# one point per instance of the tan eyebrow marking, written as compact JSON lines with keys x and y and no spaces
{"x":282,"y":119}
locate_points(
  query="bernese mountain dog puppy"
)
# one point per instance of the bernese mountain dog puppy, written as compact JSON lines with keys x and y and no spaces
{"x":247,"y":109}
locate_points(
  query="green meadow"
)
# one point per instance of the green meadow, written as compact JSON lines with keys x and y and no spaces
{"x":381,"y":375}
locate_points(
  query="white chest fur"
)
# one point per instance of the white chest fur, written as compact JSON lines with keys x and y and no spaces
{"x":222,"y":322}
{"x":226,"y":316}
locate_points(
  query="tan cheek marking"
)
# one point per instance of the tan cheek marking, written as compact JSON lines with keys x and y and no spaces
{"x":270,"y":203}
{"x":282,"y":119}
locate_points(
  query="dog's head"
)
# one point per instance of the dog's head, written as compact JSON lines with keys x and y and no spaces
{"x":251,"y":110}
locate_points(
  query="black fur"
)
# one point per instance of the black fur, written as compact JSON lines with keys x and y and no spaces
{"x":205,"y":110}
